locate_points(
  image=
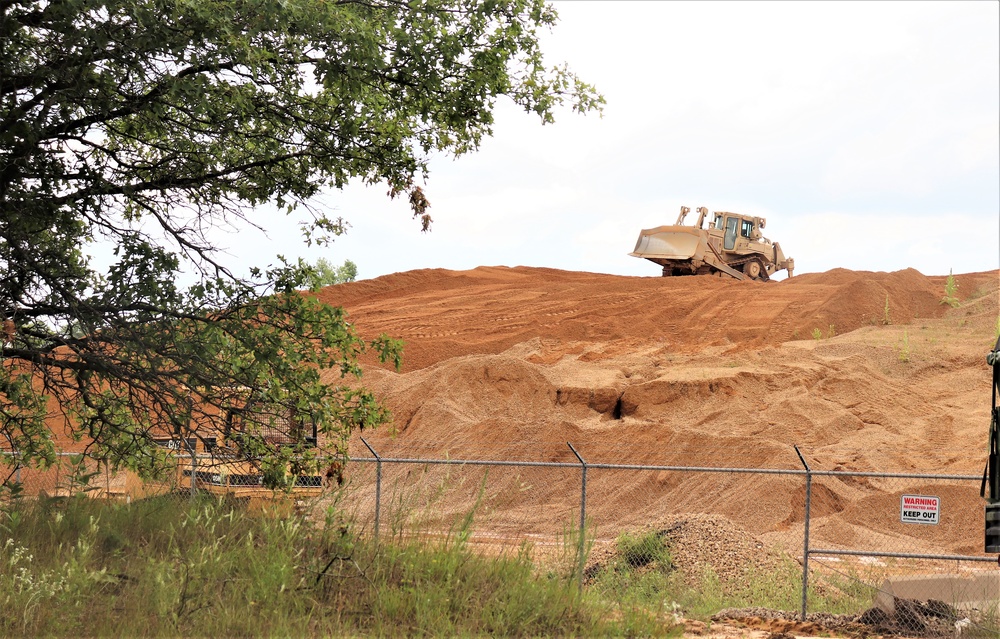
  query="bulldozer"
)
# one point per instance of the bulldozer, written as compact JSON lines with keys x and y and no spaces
{"x":723,"y":243}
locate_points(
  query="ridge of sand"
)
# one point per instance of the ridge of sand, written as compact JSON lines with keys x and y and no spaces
{"x":512,"y":363}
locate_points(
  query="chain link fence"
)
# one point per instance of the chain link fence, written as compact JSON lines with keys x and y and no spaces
{"x":914,"y":542}
{"x":891,"y":553}
{"x":74,"y":473}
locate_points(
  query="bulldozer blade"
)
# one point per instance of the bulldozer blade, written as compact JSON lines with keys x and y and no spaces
{"x":667,"y":243}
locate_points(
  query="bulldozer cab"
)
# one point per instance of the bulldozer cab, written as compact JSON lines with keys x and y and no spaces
{"x":738,"y":226}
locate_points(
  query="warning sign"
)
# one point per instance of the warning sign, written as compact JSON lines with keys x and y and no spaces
{"x":919,"y":509}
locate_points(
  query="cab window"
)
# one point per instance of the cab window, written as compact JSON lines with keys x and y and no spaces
{"x":746,"y":228}
{"x":729,"y":239}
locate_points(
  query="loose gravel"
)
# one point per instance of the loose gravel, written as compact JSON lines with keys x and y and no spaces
{"x":700,"y":541}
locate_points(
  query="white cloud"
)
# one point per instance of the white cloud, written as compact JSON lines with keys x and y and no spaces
{"x":875,"y":241}
{"x":850,"y":126}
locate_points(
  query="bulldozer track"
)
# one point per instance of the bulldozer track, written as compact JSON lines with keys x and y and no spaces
{"x":738,"y":265}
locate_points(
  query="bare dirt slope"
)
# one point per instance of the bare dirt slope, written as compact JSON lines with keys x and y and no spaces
{"x":862,"y":370}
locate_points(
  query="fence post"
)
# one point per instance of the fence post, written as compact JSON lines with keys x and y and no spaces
{"x":805,"y":540}
{"x":378,"y":485}
{"x":194,"y":472}
{"x":583,"y":514}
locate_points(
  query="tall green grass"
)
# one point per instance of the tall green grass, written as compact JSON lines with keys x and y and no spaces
{"x":170,"y":566}
{"x":642,"y":573}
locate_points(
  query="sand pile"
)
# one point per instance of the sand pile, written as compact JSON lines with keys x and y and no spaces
{"x":443,"y":314}
{"x":701,"y":543}
{"x":862,"y":370}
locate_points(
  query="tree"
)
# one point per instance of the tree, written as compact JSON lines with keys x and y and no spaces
{"x":145,"y":124}
{"x":325,"y":274}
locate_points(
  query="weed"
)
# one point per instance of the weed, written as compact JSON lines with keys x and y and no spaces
{"x":903,"y":349}
{"x":817,"y":333}
{"x":778,"y":588}
{"x":640,"y":573}
{"x":886,"y":319}
{"x":642,"y":550}
{"x":207,"y":567}
{"x":950,"y":288}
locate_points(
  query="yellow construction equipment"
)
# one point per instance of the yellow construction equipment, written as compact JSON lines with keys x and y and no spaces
{"x":723,"y":243}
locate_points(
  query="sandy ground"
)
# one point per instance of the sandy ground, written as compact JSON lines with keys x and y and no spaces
{"x":495,"y":356}
{"x":862,"y":371}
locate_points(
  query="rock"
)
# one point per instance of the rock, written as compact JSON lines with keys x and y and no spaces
{"x":874,"y":617}
{"x":940,"y":609}
{"x":908,"y":617}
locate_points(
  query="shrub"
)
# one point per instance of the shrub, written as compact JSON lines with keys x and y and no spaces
{"x":904,"y":348}
{"x":950,"y":288}
{"x":641,"y":550}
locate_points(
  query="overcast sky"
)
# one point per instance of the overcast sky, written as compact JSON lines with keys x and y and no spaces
{"x":868,"y":135}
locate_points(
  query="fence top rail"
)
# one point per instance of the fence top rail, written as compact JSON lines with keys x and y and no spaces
{"x":496,"y":462}
{"x":699,"y":469}
{"x":815,"y":552}
{"x":650,"y":467}
{"x":464,"y":462}
{"x":858,"y":473}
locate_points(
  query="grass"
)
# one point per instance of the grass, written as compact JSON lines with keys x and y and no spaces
{"x":173,"y":566}
{"x":831,"y":331}
{"x":637,"y":551}
{"x":641,"y":572}
{"x":176,"y":566}
{"x":656,"y":585}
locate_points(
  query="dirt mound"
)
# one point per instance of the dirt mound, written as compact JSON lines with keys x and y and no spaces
{"x":861,"y":370}
{"x":443,"y":314}
{"x":703,"y":542}
{"x":682,"y":359}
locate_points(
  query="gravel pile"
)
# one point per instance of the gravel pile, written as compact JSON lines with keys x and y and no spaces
{"x":700,"y":541}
